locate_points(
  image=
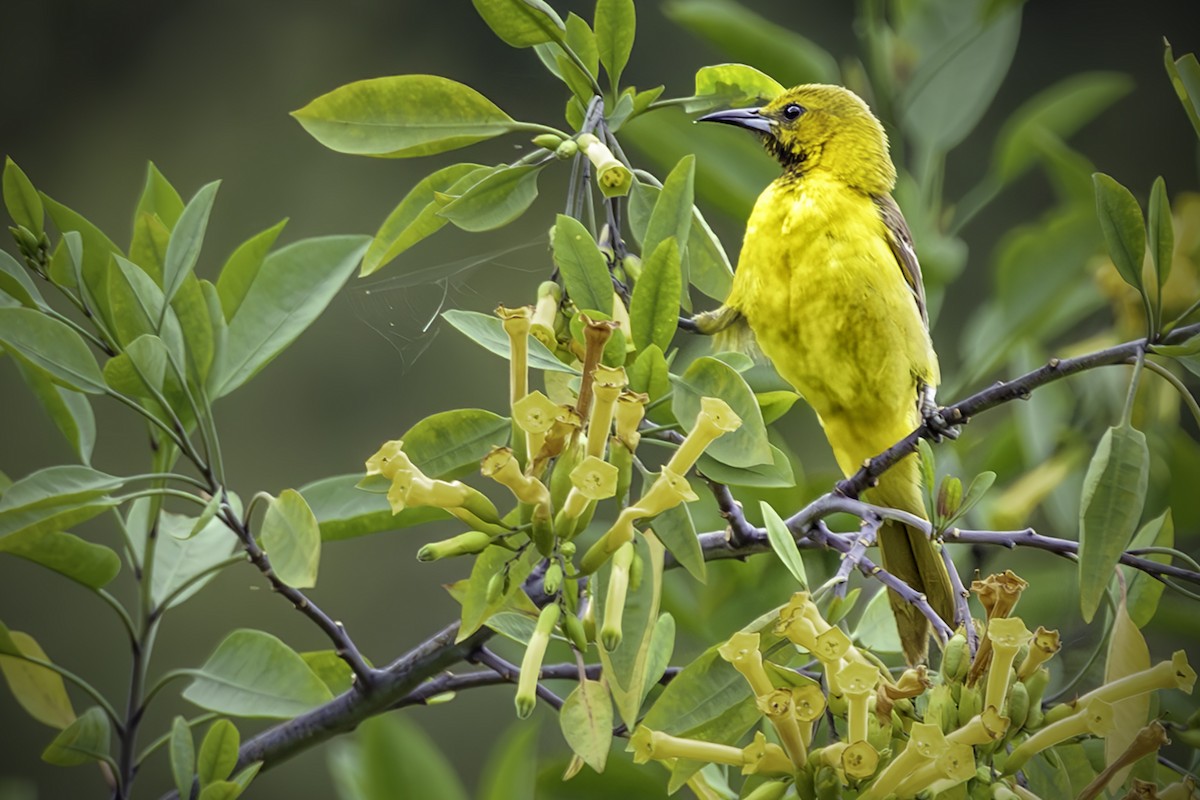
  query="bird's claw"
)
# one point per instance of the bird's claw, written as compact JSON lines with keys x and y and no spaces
{"x":935,"y":420}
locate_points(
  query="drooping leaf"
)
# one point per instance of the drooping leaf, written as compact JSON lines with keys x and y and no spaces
{"x":416,"y":216}
{"x":1114,"y":490}
{"x":39,"y":690}
{"x":495,"y":201}
{"x":709,"y":377}
{"x":182,"y":750}
{"x":70,"y":410}
{"x":84,"y":740}
{"x":254,"y":674}
{"x":240,"y":270}
{"x":654,"y":307}
{"x":292,"y":538}
{"x":54,"y":499}
{"x":403,"y":116}
{"x":586,"y":719}
{"x":183,"y":251}
{"x":15,"y":281}
{"x":487,"y":330}
{"x":52,"y":346}
{"x":522,"y":23}
{"x":290,"y":290}
{"x":616,"y":23}
{"x":677,"y":532}
{"x":783,"y":544}
{"x":583,"y":267}
{"x":708,"y":266}
{"x":1144,"y":590}
{"x":92,"y":565}
{"x":344,"y":511}
{"x":218,"y":752}
{"x":1124,"y":230}
{"x":390,"y":757}
{"x":22,"y":200}
{"x":1127,"y":654}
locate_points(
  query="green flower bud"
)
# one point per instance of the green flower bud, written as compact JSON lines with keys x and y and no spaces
{"x":463,"y":544}
{"x":567,"y":149}
{"x":552,"y":580}
{"x":955,"y":659}
{"x":531,"y":664}
{"x":548,"y":141}
{"x":573,"y":627}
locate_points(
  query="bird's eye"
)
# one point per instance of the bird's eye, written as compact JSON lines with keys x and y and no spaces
{"x":792,"y":111}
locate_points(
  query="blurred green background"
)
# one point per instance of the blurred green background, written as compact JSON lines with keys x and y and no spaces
{"x":91,"y":91}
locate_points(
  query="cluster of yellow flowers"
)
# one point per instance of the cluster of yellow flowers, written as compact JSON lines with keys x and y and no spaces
{"x":915,"y":733}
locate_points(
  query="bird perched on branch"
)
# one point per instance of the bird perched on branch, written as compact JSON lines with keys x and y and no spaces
{"x":829,"y":284}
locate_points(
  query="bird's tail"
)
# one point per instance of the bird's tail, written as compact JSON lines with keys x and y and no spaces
{"x":910,"y":556}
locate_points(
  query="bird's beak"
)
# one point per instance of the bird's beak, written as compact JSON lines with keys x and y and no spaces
{"x":749,"y":118}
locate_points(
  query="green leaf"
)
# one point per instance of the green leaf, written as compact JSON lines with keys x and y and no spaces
{"x":180,"y":557}
{"x":627,"y":667}
{"x":616,"y":23}
{"x":475,"y":606}
{"x":221,"y":790}
{"x":182,"y":751}
{"x":521,"y":23}
{"x":745,"y":36}
{"x":253,"y":674}
{"x":344,"y":511}
{"x":137,"y":307}
{"x":187,"y":238}
{"x":775,"y":475}
{"x":654,"y":307}
{"x":52,"y":346}
{"x":292,"y":538}
{"x":70,"y":410}
{"x":586,"y":719}
{"x":1114,"y":490}
{"x":141,"y":370}
{"x":487,"y":331}
{"x":1124,"y":231}
{"x":1127,"y":654}
{"x":16,"y":281}
{"x":333,"y":671}
{"x":510,"y":772}
{"x":199,"y":337}
{"x":975,"y":491}
{"x":674,"y":527}
{"x":21,"y":199}
{"x":92,"y":565}
{"x":391,"y":757}
{"x":1161,"y":232}
{"x":672,"y":215}
{"x":55,"y":498}
{"x":159,"y":199}
{"x":239,"y":272}
{"x":582,"y":41}
{"x":709,"y":377}
{"x":84,"y":740}
{"x":1184,"y":73}
{"x":290,"y":291}
{"x":495,"y":201}
{"x":218,"y":752}
{"x":876,"y":629}
{"x":584,"y":270}
{"x":446,"y":442}
{"x":98,"y":250}
{"x":403,"y":116}
{"x":650,"y":374}
{"x":732,"y":85}
{"x":37,"y":689}
{"x":775,"y":404}
{"x":783,"y":543}
{"x":1144,"y":590}
{"x":707,"y":264}
{"x":416,"y":217}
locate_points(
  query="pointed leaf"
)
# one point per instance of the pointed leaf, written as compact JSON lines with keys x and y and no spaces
{"x":70,"y":410}
{"x":672,"y":215}
{"x":239,"y":272}
{"x":159,"y":198}
{"x":39,"y":690}
{"x":141,"y":370}
{"x":391,"y":757}
{"x":654,"y":307}
{"x":403,"y":116}
{"x":290,"y":291}
{"x":137,"y":307}
{"x":92,"y":565}
{"x":580,"y":39}
{"x":180,"y":557}
{"x":55,"y":498}
{"x":476,"y":608}
{"x":586,"y":719}
{"x":1160,"y":231}
{"x":221,"y":790}
{"x":616,"y":22}
{"x":626,"y":667}
{"x":292,"y":539}
{"x":732,"y":85}
{"x":84,"y":740}
{"x":774,"y":475}
{"x":333,"y":671}
{"x":183,"y":756}
{"x":21,"y":199}
{"x":487,"y":330}
{"x":709,"y":377}
{"x":15,"y":281}
{"x":52,"y":346}
{"x":148,"y":248}
{"x":707,"y":265}
{"x":1124,"y":230}
{"x":1114,"y":490}
{"x":218,"y":752}
{"x":98,"y":251}
{"x":584,"y":270}
{"x":674,"y":527}
{"x":415,"y":217}
{"x":1144,"y":590}
{"x":1184,"y":73}
{"x":521,"y":23}
{"x":253,"y":674}
{"x":496,"y":200}
{"x":444,"y":443}
{"x":783,"y":544}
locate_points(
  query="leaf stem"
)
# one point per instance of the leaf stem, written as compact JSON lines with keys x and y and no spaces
{"x":1127,"y":414}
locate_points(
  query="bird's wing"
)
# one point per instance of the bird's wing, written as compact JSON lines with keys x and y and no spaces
{"x":901,"y":242}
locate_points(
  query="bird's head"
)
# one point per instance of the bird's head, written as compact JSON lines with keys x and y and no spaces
{"x":821,"y":127}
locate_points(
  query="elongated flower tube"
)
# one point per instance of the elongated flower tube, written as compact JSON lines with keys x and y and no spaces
{"x":983,"y":728}
{"x":955,"y":765}
{"x":777,"y":706}
{"x":1173,"y":674}
{"x":607,"y":383}
{"x":926,"y":742}
{"x":1007,"y":635}
{"x":1095,"y":717}
{"x":413,"y":488}
{"x":461,"y":545}
{"x":761,"y":757}
{"x":501,"y":466}
{"x":614,"y":601}
{"x":648,"y":745}
{"x":613,"y":177}
{"x":592,"y":479}
{"x":858,"y":682}
{"x":535,"y":414}
{"x":516,"y":323}
{"x":1041,"y":649}
{"x":631,"y":408}
{"x":715,"y":419}
{"x":531,"y":664}
{"x":667,"y":491}
{"x":545,"y":314}
{"x":742,"y":652}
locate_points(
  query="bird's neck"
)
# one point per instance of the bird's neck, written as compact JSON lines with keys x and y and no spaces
{"x":861,"y":165}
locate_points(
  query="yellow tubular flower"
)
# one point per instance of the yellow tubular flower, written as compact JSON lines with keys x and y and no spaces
{"x":592,"y":479}
{"x":613,"y":177}
{"x":1096,"y":718}
{"x":607,"y":383}
{"x":761,"y":757}
{"x":631,"y":408}
{"x":858,"y":682}
{"x":981,"y":729}
{"x":1173,"y":674}
{"x":925,"y":743}
{"x":808,"y":704}
{"x":1043,"y":647}
{"x":715,"y":419}
{"x":667,"y":491}
{"x":1007,"y":635}
{"x":954,"y":766}
{"x":501,"y":466}
{"x":383,"y":461}
{"x":860,"y":760}
{"x":650,"y":745}
{"x":998,"y":594}
{"x":516,"y":324}
{"x":535,"y":414}
{"x":742,"y":652}
{"x":777,"y":706}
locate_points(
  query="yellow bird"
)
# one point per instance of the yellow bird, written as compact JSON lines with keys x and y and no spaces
{"x":829,"y":284}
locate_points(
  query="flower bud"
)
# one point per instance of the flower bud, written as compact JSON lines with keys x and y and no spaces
{"x":545,"y":314}
{"x":566,"y":150}
{"x":614,"y":600}
{"x":650,"y":745}
{"x":463,"y":544}
{"x":531,"y":664}
{"x":548,"y":141}
{"x":552,"y":580}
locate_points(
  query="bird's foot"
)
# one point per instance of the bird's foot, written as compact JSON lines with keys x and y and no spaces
{"x":935,"y":420}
